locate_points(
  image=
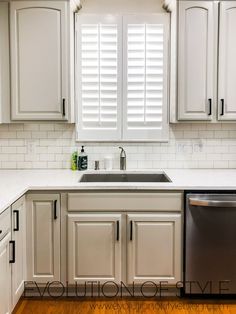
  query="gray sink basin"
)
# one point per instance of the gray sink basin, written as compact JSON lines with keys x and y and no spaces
{"x":124,"y":177}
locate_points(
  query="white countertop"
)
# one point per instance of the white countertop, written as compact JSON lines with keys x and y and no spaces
{"x":14,"y":183}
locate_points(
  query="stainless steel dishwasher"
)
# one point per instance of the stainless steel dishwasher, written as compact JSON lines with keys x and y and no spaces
{"x":210,"y":244}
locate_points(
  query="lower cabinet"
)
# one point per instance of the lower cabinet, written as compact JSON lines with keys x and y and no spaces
{"x":5,"y":275}
{"x":98,"y":243}
{"x":94,"y":247}
{"x":19,"y":242}
{"x":43,"y":237}
{"x":12,"y":255}
{"x":154,"y":247}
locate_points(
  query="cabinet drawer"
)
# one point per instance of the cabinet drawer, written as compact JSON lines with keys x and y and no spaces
{"x":5,"y":222}
{"x":124,"y":201}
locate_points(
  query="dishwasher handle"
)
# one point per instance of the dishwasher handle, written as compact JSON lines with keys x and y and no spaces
{"x":211,"y":203}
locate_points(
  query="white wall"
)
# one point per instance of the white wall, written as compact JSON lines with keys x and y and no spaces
{"x":50,"y":145}
{"x":121,"y":6}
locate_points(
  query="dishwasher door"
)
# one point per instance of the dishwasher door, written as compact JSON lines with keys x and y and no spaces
{"x":210,"y":244}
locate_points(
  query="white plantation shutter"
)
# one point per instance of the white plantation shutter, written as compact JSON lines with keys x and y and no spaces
{"x":145,"y":77}
{"x":122,"y":77}
{"x":99,"y":82}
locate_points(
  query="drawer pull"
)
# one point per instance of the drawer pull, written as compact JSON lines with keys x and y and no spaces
{"x":131,"y":230}
{"x":63,"y":107}
{"x":55,"y":209}
{"x":210,"y":106}
{"x":13,"y":260}
{"x":117,"y":230}
{"x":16,"y":213}
{"x":222,"y":107}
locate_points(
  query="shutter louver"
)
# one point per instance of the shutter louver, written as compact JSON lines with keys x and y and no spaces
{"x":99,"y":102}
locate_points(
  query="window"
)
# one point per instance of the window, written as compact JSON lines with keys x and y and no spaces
{"x":122,"y":77}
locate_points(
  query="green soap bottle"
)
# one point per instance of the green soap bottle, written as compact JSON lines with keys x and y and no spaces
{"x":74,"y":158}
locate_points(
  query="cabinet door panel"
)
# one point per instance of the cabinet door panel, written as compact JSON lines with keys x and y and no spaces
{"x":19,"y":236}
{"x":38,"y":59}
{"x":227,"y":61}
{"x":196,"y":56}
{"x":94,"y":246}
{"x":43,"y":237}
{"x":5,"y":276}
{"x":154,"y":248}
{"x":4,"y":64}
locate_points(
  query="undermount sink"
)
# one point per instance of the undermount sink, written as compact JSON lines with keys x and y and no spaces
{"x":125,"y":177}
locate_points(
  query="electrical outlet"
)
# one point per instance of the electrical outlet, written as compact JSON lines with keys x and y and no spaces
{"x":198,"y":147}
{"x":31,"y":147}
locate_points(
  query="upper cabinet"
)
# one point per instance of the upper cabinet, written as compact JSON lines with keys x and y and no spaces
{"x":196,"y":60}
{"x":40,"y":55}
{"x":4,"y":64}
{"x":227,"y":61}
{"x":206,"y":82}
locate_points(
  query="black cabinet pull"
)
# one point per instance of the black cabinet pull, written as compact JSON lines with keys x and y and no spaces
{"x":55,"y":209}
{"x":16,"y":213}
{"x":117,"y":230}
{"x":222,"y":107}
{"x":0,"y":231}
{"x":13,"y":260}
{"x":210,"y":106}
{"x":63,"y":107}
{"x":131,"y":230}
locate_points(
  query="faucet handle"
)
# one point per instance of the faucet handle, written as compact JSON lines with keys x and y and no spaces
{"x":96,"y":165}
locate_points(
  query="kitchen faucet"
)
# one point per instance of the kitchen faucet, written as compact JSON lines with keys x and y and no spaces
{"x":122,"y":159}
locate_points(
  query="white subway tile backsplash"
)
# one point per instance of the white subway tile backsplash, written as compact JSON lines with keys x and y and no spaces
{"x":46,"y":157}
{"x":7,"y":134}
{"x":31,"y":127}
{"x":221,"y":164}
{"x":39,"y":134}
{"x":24,"y":165}
{"x":8,"y":150}
{"x":54,"y":164}
{"x":9,"y":165}
{"x":205,"y":164}
{"x":221,"y":134}
{"x":16,"y":142}
{"x":23,"y":134}
{"x":4,"y":157}
{"x":16,"y":127}
{"x":39,"y":164}
{"x":46,"y":127}
{"x":50,"y":145}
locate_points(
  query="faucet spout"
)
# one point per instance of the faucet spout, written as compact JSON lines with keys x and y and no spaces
{"x":122,"y":159}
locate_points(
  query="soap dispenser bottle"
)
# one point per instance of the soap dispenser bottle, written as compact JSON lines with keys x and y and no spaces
{"x":82,"y":160}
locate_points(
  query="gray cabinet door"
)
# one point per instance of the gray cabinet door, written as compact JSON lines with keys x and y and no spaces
{"x":19,"y":236}
{"x":154,"y":248}
{"x":196,"y":60}
{"x":94,"y":247}
{"x":5,"y":276}
{"x":4,"y":64}
{"x":43,"y":237}
{"x":39,"y":46}
{"x":227,"y":61}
